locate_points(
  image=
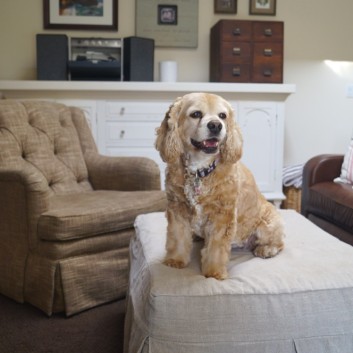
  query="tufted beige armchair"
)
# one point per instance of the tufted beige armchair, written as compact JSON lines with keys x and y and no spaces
{"x":66,"y":212}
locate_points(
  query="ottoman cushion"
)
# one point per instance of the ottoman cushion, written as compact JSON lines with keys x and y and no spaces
{"x":299,"y":301}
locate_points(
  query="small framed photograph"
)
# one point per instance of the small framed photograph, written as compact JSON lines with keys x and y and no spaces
{"x":167,"y":15}
{"x":262,"y":7}
{"x":93,"y":15}
{"x":225,"y":6}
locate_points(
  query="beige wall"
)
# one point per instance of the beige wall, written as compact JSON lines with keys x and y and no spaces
{"x":319,"y":116}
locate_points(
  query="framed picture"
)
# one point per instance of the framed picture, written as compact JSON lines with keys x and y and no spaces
{"x":262,"y":7}
{"x":167,"y":15}
{"x":170,"y":23}
{"x":225,"y":6}
{"x":81,"y":14}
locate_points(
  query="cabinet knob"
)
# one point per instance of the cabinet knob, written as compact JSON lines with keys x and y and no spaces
{"x":268,"y":32}
{"x":236,"y":71}
{"x":236,"y":51}
{"x":122,"y":133}
{"x":267,"y":52}
{"x":237,"y":31}
{"x":267,"y":73}
{"x":122,"y":111}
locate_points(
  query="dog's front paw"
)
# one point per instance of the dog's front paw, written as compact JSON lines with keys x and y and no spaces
{"x":216,"y":272}
{"x":174,"y":263}
{"x":266,"y":251}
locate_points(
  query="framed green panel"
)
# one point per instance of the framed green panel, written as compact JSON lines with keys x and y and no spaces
{"x":171,"y":23}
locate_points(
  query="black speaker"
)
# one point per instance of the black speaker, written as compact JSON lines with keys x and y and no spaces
{"x":52,"y":57}
{"x":138,"y":59}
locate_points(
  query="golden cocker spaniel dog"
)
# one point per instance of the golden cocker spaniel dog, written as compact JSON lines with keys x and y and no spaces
{"x":210,"y":193}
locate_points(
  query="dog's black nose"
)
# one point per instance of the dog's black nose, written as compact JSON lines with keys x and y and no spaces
{"x":214,"y":126}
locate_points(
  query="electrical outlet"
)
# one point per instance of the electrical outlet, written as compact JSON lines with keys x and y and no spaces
{"x":349,"y":90}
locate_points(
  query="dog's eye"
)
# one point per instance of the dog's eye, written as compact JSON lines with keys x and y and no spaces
{"x":197,"y":114}
{"x":222,"y":115}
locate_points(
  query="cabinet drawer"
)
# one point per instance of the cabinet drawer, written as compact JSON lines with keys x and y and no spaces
{"x":235,"y":30}
{"x":128,"y":133}
{"x":121,"y":109}
{"x":235,"y":73}
{"x":267,"y":73}
{"x":236,"y":52}
{"x":268,"y":52}
{"x":267,"y":31}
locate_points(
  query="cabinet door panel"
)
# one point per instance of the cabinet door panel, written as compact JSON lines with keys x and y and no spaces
{"x":258,"y":123}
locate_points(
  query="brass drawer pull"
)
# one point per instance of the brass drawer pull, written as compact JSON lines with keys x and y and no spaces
{"x":236,"y":71}
{"x":267,"y":52}
{"x":237,"y":31}
{"x":267,"y":73}
{"x":236,"y":51}
{"x":268,"y":32}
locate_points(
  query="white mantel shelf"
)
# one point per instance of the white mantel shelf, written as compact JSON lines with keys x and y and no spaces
{"x":110,"y":89}
{"x":146,"y":86}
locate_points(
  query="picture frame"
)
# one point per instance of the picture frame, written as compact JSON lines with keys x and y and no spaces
{"x":167,"y":15}
{"x":225,"y":6}
{"x":170,"y":23}
{"x":94,"y":15}
{"x":262,"y":7}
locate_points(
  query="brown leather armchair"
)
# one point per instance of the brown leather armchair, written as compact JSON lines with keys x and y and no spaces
{"x":66,"y":212}
{"x":326,"y":203}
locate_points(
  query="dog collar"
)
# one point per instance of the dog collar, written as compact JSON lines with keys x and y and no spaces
{"x":196,"y":178}
{"x":203,"y":172}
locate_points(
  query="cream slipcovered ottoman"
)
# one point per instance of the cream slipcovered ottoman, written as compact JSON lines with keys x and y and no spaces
{"x":300,"y":301}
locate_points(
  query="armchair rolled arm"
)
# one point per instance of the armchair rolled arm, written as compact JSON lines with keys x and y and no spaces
{"x":122,"y":173}
{"x":319,"y":169}
{"x":24,"y":196}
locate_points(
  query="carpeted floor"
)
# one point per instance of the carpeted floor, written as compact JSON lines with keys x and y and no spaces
{"x":25,"y":329}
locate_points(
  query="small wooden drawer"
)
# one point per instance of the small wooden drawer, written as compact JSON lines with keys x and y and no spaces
{"x":270,"y":72}
{"x":268,"y":52}
{"x":236,"y":52}
{"x":235,"y":73}
{"x":267,"y":31}
{"x":235,"y":30}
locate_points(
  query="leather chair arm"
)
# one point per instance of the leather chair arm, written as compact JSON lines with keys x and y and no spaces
{"x":319,"y":169}
{"x":325,"y":167}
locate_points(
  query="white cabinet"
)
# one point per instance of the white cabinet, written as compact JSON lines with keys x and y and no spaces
{"x":129,"y":129}
{"x":123,"y":128}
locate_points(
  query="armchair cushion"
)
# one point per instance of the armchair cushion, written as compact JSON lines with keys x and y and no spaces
{"x":82,"y":215}
{"x":334,"y":202}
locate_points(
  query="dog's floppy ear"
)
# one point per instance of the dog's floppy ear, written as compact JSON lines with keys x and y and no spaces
{"x":232,"y":149}
{"x":168,"y":141}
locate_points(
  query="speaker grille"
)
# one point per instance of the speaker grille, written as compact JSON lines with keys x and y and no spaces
{"x":138,"y":59}
{"x":52,"y":57}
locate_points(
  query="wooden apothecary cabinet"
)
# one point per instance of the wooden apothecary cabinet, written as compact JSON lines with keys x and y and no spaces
{"x":246,"y":51}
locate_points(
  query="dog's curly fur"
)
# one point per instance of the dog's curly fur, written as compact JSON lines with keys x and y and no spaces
{"x":223,"y":207}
